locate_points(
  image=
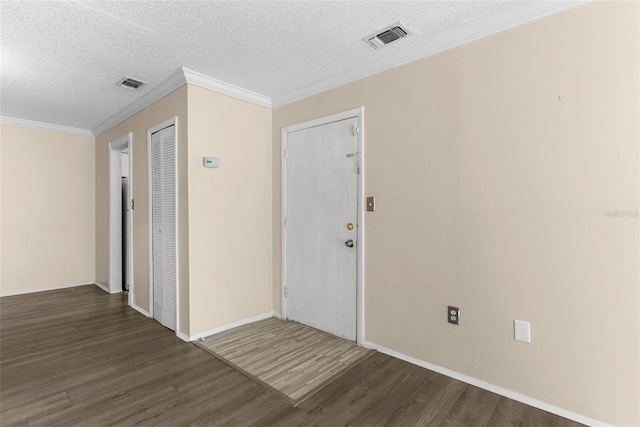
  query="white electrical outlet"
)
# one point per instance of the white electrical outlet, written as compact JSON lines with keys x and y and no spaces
{"x":522,"y":331}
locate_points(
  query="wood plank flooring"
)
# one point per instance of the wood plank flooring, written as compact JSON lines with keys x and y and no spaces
{"x":293,"y":360}
{"x":82,"y":357}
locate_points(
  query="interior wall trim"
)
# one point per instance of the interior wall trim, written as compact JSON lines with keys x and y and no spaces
{"x":242,"y":322}
{"x":473,"y":31}
{"x":140,"y":310}
{"x":489,"y":387}
{"x":466,"y":34}
{"x":176,"y":80}
{"x":45,"y":126}
{"x":102,"y":286}
{"x":173,"y":82}
{"x":53,"y":288}
{"x":206,"y":82}
{"x":182,"y":336}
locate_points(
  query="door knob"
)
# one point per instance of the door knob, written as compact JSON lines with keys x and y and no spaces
{"x":349,"y":243}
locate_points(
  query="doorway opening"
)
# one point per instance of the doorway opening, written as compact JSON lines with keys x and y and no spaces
{"x":323,"y":224}
{"x":120,"y":217}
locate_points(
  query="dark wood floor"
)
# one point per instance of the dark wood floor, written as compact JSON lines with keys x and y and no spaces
{"x":79,"y":356}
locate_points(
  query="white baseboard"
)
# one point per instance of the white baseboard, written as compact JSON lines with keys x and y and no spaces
{"x":140,"y":310}
{"x":182,"y":336}
{"x":102,"y":286}
{"x":277,"y":315}
{"x":54,"y":288}
{"x":489,"y":387}
{"x":231,"y":326}
{"x":105,"y":287}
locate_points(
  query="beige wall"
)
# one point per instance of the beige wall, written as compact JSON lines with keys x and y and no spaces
{"x":220,"y":233}
{"x":493,"y":165}
{"x":172,"y":105}
{"x":48,"y":203}
{"x":230,"y":265}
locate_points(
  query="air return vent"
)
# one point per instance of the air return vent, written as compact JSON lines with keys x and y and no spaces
{"x":387,"y":35}
{"x":129,"y":83}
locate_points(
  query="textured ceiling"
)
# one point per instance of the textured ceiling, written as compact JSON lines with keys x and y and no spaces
{"x":60,"y":60}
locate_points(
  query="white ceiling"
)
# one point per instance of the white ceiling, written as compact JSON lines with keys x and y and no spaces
{"x":60,"y":60}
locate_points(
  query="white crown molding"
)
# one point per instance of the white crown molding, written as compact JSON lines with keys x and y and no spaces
{"x":179,"y":78}
{"x":172,"y":83}
{"x":206,"y":82}
{"x":489,"y":387}
{"x":45,"y":126}
{"x":528,"y":12}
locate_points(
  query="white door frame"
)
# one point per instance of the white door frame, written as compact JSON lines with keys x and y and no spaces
{"x":166,"y":123}
{"x":115,"y":216}
{"x":357,"y":113}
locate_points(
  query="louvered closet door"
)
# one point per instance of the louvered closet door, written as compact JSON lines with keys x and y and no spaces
{"x":163,"y":152}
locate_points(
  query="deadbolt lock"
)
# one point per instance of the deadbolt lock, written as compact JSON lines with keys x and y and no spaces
{"x":350,"y":226}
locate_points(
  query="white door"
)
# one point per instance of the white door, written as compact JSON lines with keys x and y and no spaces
{"x":321,"y":227}
{"x":163,"y":175}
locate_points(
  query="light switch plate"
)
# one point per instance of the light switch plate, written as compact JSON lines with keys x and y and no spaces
{"x":371,"y":204}
{"x":522,"y":331}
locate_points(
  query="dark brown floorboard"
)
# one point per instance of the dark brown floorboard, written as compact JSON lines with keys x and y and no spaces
{"x":81,"y":357}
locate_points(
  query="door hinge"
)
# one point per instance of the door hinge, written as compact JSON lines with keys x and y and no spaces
{"x":284,"y":223}
{"x":286,"y":291}
{"x":286,"y":153}
{"x":356,"y":130}
{"x":133,"y":203}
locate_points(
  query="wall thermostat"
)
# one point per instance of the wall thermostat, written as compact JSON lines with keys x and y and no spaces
{"x":211,"y":162}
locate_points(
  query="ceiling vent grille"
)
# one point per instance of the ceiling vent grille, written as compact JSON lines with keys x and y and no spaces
{"x":387,"y":35}
{"x":129,"y":83}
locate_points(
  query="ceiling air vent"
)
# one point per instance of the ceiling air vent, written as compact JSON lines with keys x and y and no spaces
{"x":129,"y":83}
{"x":387,"y":35}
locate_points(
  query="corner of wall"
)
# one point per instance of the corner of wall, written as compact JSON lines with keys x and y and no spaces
{"x":230,"y":266}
